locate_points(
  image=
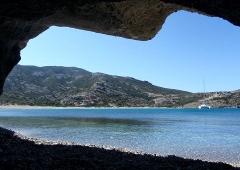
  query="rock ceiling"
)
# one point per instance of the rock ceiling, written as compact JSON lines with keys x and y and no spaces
{"x":21,"y":21}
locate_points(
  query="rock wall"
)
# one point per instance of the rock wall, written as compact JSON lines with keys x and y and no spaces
{"x":21,"y":21}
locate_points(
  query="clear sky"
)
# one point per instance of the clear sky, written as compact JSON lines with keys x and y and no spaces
{"x":189,"y":48}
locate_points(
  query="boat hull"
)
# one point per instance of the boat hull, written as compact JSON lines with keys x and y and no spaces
{"x":204,"y":106}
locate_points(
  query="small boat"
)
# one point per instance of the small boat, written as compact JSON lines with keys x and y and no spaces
{"x":204,"y":105}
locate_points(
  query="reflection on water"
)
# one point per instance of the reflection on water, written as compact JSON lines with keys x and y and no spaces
{"x":57,"y":122}
{"x":209,"y":135}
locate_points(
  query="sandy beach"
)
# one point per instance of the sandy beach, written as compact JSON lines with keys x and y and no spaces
{"x":52,"y":107}
{"x":31,"y":107}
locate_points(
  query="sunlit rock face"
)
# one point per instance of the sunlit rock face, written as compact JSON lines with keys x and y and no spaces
{"x":21,"y":21}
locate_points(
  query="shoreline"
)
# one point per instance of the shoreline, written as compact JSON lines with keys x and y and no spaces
{"x":12,"y":107}
{"x":9,"y":107}
{"x":18,"y":151}
{"x":28,"y":107}
{"x":40,"y":141}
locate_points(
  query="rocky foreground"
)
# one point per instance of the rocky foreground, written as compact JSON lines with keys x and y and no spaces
{"x":20,"y":152}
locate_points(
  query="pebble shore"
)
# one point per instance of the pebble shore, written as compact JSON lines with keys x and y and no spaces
{"x":21,"y":152}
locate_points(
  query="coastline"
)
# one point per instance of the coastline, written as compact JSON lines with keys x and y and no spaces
{"x":9,"y":107}
{"x":12,"y":107}
{"x":20,"y":152}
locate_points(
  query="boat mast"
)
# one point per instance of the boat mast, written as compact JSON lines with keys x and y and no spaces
{"x":204,"y":91}
{"x":204,"y":105}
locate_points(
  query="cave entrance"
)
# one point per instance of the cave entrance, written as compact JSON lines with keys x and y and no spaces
{"x":189,"y":47}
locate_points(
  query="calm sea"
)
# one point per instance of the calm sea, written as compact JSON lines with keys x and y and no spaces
{"x":191,"y":133}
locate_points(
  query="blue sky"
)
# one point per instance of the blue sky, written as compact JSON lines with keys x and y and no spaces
{"x":189,"y":48}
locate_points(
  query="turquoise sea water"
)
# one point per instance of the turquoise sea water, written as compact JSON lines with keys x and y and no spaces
{"x":191,"y":133}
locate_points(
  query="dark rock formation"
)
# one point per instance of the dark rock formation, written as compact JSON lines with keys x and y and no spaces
{"x":21,"y":21}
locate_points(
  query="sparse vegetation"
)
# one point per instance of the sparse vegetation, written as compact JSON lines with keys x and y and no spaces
{"x":62,"y":86}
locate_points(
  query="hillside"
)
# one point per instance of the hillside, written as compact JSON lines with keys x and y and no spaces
{"x":222,"y":99}
{"x":70,"y":86}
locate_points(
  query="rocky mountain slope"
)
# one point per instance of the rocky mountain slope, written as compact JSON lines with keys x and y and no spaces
{"x":222,"y":99}
{"x":69,"y":86}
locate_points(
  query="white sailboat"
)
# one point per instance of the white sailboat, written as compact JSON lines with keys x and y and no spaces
{"x":204,"y":105}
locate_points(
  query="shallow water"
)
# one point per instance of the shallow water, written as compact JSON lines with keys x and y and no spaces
{"x":200,"y":134}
